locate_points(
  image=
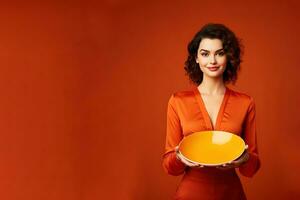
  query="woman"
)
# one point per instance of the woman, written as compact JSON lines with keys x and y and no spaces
{"x":213,"y":61}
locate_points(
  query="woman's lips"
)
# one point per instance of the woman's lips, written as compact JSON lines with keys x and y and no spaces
{"x":213,"y":68}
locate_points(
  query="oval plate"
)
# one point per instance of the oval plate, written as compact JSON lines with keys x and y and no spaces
{"x":212,"y":148}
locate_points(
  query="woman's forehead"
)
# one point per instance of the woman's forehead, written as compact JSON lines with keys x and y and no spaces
{"x":210,"y":44}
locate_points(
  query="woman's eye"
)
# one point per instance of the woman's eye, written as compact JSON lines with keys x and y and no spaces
{"x":204,"y":54}
{"x":221,"y":54}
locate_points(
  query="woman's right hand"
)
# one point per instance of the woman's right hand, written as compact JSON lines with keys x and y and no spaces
{"x":185,"y":161}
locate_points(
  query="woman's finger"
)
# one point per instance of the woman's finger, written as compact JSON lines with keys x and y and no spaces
{"x":186,"y":162}
{"x":176,"y":149}
{"x":226,"y":166}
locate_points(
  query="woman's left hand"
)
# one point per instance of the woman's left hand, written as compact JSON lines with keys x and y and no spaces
{"x":236,"y":163}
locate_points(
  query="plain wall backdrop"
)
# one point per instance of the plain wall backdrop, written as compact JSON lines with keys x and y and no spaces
{"x":84,"y":89}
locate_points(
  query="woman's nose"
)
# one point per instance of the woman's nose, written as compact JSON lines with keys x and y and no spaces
{"x":212,"y":59}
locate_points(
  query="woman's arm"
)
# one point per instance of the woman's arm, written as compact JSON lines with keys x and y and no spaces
{"x":252,"y":165}
{"x":171,"y":164}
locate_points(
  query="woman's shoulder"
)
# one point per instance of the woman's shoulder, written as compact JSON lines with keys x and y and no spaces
{"x":182,"y":95}
{"x":241,"y":96}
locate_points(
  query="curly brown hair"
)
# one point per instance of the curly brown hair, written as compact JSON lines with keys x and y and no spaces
{"x":231,"y":45}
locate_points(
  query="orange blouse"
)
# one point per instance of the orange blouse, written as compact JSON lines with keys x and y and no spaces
{"x":186,"y":114}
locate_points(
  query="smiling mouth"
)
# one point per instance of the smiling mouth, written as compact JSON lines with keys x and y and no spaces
{"x":213,"y":68}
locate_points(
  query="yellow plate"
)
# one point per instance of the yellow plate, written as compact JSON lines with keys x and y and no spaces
{"x":212,"y":148}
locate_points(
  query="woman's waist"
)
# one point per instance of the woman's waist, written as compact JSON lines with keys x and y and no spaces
{"x":211,"y":173}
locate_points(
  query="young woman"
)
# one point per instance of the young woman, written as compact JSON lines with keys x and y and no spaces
{"x":213,"y":62}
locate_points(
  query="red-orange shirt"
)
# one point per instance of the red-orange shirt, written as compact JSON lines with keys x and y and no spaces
{"x":186,"y":114}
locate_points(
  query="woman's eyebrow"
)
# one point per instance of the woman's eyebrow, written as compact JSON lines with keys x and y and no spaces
{"x":208,"y":50}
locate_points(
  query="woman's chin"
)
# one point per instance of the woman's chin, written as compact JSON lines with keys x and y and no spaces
{"x":213,"y":74}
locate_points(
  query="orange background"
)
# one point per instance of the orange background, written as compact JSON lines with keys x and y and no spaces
{"x":85,"y":84}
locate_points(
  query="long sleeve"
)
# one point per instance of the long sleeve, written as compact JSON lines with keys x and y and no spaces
{"x":171,"y":164}
{"x":249,"y":168}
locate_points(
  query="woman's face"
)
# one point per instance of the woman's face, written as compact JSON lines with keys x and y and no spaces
{"x":211,"y":57}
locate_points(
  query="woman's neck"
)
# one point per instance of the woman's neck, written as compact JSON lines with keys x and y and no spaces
{"x":212,"y":86}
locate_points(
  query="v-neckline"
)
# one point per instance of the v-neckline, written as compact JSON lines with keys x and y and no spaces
{"x":208,"y":121}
